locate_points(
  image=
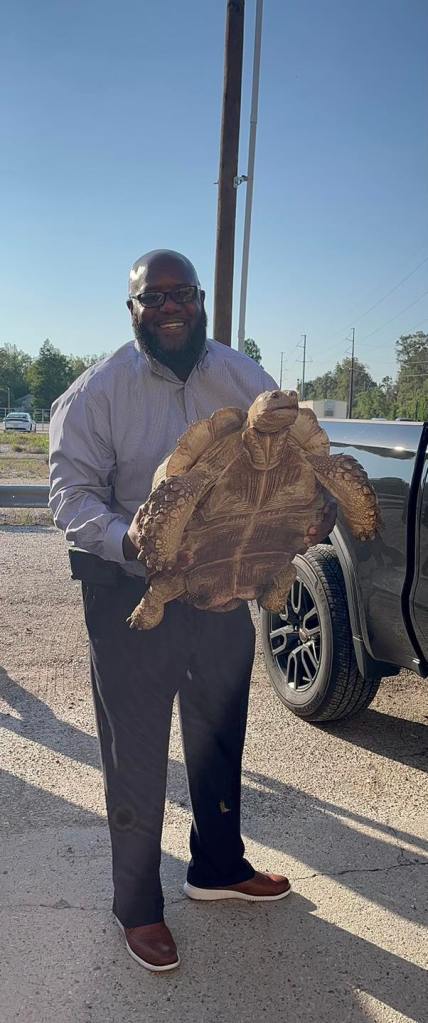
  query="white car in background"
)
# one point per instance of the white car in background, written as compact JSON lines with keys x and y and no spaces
{"x":20,"y":421}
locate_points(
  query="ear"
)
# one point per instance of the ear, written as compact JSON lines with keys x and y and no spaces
{"x":202,"y":294}
{"x":130,"y":305}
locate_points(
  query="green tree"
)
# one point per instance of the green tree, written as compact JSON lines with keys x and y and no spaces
{"x":389,"y":388}
{"x":377,"y":401}
{"x":50,"y":375}
{"x":252,"y":349}
{"x":335,"y":383}
{"x":321,"y":387}
{"x":412,"y":380}
{"x":14,"y":373}
{"x":78,"y":364}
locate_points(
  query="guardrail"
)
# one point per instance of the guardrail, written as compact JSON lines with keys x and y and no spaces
{"x":24,"y":497}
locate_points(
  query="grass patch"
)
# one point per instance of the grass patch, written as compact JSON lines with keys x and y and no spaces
{"x":36,"y":443}
{"x":23,"y":469}
{"x":25,"y":517}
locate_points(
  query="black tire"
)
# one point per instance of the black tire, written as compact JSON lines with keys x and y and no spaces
{"x":327,"y":686}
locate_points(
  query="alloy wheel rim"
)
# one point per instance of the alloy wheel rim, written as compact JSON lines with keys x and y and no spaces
{"x":295,"y":640}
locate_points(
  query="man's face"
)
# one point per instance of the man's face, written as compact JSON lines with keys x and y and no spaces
{"x":171,"y":327}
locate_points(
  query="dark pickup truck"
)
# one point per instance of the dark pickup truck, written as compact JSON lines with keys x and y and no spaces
{"x":359,"y":611}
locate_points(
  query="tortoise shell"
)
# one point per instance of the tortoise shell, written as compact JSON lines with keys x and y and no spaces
{"x":234,"y":502}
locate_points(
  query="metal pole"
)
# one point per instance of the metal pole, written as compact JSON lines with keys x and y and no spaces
{"x":280,"y":372}
{"x":302,"y":385}
{"x":250,"y":173}
{"x":6,"y":388}
{"x":227,"y":183}
{"x":351,"y":377}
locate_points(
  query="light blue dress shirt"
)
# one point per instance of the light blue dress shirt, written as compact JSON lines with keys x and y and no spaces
{"x":116,"y":424}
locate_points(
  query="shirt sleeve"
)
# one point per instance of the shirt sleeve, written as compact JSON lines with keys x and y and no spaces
{"x":82,"y":471}
{"x":267,"y":383}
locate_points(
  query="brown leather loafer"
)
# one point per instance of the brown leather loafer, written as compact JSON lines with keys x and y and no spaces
{"x":260,"y":888}
{"x":151,"y":945}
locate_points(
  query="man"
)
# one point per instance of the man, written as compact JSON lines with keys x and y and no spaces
{"x":109,"y":432}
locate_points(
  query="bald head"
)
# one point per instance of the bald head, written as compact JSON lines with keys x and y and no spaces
{"x":158,"y":263}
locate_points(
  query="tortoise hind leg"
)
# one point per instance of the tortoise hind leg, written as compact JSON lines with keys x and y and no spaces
{"x":348,"y":482}
{"x":274,"y":596}
{"x":150,"y":611}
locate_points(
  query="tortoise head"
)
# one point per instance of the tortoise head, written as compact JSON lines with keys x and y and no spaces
{"x":273,"y":411}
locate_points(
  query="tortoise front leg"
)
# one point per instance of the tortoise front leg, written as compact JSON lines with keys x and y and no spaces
{"x":165,"y":515}
{"x":346,"y":479}
{"x":274,"y":596}
{"x":149,"y":612}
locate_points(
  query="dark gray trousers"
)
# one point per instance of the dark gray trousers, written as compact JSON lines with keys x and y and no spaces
{"x":207,"y":658}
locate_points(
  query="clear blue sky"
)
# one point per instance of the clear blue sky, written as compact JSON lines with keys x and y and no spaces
{"x":110,"y":124}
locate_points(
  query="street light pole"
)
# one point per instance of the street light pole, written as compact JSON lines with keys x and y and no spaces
{"x":250,"y":174}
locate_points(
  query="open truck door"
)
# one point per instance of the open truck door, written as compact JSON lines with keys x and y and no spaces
{"x":418,"y":595}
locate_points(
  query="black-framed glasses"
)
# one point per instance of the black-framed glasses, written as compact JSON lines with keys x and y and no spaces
{"x":182,"y":294}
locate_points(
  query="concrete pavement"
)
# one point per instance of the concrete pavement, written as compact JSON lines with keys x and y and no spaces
{"x":342,"y":811}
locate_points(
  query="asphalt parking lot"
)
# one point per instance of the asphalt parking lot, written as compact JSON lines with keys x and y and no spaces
{"x":341,"y":810}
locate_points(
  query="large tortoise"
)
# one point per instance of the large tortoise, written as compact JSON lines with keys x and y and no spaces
{"x":233,"y":504}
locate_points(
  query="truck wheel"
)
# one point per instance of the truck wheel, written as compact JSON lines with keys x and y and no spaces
{"x":308,"y":648}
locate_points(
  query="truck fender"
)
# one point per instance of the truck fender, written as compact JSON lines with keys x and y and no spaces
{"x":368,"y":667}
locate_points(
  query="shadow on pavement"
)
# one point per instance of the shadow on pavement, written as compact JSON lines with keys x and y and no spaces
{"x":38,"y":722}
{"x":397,"y":739}
{"x":282,"y":959}
{"x":314,"y":831}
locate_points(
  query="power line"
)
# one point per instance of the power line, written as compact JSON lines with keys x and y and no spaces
{"x":414,"y":372}
{"x":420,"y":324}
{"x":391,"y":291}
{"x":376,"y":304}
{"x":382,"y":325}
{"x":338,"y":344}
{"x":321,"y":362}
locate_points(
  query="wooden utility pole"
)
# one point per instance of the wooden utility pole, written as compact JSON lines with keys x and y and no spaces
{"x":228,"y":173}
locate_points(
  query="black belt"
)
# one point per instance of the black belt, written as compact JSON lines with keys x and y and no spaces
{"x":89,"y":568}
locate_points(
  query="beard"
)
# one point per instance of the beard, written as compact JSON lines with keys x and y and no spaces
{"x":182,"y":361}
